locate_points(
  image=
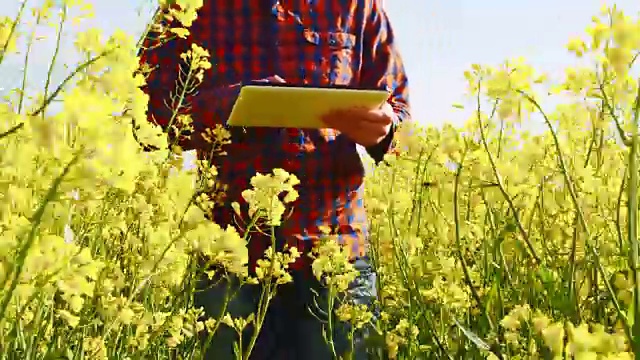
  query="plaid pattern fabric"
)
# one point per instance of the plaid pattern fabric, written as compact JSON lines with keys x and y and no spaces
{"x":316,"y":42}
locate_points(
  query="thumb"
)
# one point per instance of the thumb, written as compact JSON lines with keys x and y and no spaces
{"x":275,"y":79}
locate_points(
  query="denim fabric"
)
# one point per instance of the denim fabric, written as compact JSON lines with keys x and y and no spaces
{"x":293,"y":328}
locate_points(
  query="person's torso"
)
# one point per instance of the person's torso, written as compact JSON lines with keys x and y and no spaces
{"x":311,"y":42}
{"x":317,"y":42}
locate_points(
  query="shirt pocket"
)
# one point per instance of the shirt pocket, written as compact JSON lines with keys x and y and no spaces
{"x":333,"y":66}
{"x":329,"y":57}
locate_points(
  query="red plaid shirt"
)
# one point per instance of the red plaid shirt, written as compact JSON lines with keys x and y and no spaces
{"x":316,"y":42}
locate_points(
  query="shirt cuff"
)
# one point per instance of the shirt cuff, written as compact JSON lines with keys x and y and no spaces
{"x":379,"y":150}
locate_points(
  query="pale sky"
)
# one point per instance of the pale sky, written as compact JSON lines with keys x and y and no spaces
{"x":439,"y":39}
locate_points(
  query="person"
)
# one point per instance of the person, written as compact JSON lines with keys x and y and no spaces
{"x":302,"y":42}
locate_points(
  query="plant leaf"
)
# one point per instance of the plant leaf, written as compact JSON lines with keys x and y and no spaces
{"x":481,"y":344}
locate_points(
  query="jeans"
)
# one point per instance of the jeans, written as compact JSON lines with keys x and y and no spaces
{"x":293,"y":326}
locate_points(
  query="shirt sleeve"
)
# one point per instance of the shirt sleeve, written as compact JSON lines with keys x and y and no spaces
{"x":383,"y":68}
{"x":207,"y":106}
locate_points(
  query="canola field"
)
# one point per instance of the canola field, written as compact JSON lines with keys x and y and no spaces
{"x":493,"y":243}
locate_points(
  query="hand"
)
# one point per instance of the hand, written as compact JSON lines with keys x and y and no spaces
{"x":272,"y":79}
{"x":275,"y":79}
{"x":364,"y":126}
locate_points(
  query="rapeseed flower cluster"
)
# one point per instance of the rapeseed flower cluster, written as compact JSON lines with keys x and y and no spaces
{"x":502,"y":242}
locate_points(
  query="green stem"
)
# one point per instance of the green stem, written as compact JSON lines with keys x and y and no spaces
{"x":583,"y":222}
{"x":54,"y":58}
{"x":25,"y":72}
{"x":55,"y":93}
{"x":632,"y":221}
{"x":516,"y":216}
{"x":458,"y":237}
{"x":267,"y":294}
{"x":14,"y":26}
{"x":64,"y":82}
{"x":14,"y":273}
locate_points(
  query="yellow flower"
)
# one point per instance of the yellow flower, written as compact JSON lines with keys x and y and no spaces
{"x":68,"y":318}
{"x":619,"y":58}
{"x":540,"y":322}
{"x":7,"y":35}
{"x":126,"y":316}
{"x":263,"y":200}
{"x":553,"y":337}
{"x":76,"y":303}
{"x":95,"y":348}
{"x":577,"y":46}
{"x":510,"y":322}
{"x":598,"y":32}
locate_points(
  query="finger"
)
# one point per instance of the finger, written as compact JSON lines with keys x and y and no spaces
{"x":337,"y":115}
{"x":276,"y":79}
{"x":370,"y":133}
{"x":355,"y":112}
{"x":378,"y":117}
{"x":386,"y":107}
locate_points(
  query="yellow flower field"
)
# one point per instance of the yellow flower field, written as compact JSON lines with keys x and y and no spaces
{"x":494,"y":243}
